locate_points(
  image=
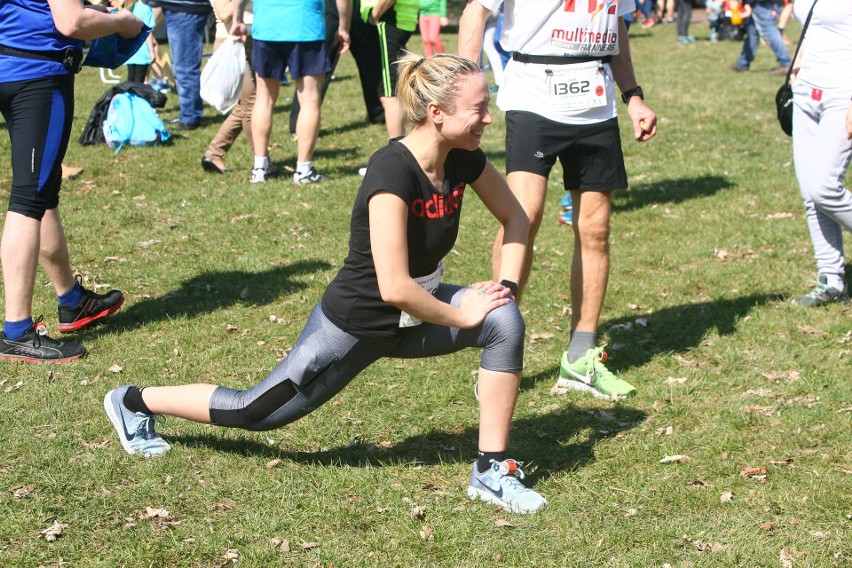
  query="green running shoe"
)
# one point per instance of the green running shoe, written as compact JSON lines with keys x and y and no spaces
{"x":590,"y":375}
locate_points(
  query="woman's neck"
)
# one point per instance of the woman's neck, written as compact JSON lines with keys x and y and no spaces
{"x":427,"y":149}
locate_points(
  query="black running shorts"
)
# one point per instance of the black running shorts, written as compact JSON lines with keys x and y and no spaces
{"x":38,"y":115}
{"x":590,"y":154}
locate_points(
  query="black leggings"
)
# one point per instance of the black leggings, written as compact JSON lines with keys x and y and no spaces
{"x":38,"y":115}
{"x":325,"y":359}
{"x":137,"y":73}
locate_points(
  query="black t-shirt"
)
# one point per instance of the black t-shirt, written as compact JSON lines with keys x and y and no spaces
{"x":352,"y":301}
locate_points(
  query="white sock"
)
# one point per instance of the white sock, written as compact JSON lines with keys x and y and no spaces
{"x":835,"y":281}
{"x":303,"y":167}
{"x":261,"y":162}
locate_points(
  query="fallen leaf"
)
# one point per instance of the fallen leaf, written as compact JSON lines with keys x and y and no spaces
{"x":14,"y":387}
{"x":786,"y":558}
{"x":281,"y":545}
{"x":540,"y":336}
{"x":70,"y":172}
{"x":667,"y":431}
{"x":230,"y":328}
{"x":232,"y":555}
{"x":749,"y":471}
{"x":426,"y":533}
{"x":149,"y":244}
{"x":152,"y":513}
{"x":52,"y":532}
{"x":503,"y":523}
{"x":675,"y":380}
{"x":309,"y":545}
{"x":245,"y":293}
{"x":418,"y":512}
{"x":782,"y":215}
{"x":766,"y":527}
{"x":726,"y":497}
{"x":675,"y":459}
{"x":817,"y":534}
{"x":273,"y":463}
{"x":115,"y":369}
{"x":764,"y":410}
{"x":21,"y":491}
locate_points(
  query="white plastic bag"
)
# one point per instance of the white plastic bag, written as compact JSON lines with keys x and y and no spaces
{"x":222,"y":77}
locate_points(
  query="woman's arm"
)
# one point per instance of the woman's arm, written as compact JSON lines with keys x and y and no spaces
{"x":494,"y":192}
{"x":388,"y":226}
{"x":74,"y":21}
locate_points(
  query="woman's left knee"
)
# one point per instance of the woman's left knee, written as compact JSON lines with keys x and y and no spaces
{"x":505,"y":324}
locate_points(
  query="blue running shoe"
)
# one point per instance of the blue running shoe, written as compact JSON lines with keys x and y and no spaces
{"x":566,"y":202}
{"x":501,"y":485}
{"x":135,"y":429}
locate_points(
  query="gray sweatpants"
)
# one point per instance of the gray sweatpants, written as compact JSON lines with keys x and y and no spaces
{"x":325,"y":358}
{"x":821,"y":152}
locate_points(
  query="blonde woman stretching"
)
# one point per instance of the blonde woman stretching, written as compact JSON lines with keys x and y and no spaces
{"x":388,"y":299}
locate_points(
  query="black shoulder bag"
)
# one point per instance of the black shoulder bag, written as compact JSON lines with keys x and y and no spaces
{"x":784,"y":96}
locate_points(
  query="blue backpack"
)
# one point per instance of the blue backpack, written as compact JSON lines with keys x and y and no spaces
{"x":132,"y":120}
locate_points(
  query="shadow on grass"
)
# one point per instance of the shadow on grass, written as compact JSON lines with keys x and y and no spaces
{"x":212,"y":291}
{"x":668,"y":191}
{"x":558,"y":441}
{"x":676,"y":329}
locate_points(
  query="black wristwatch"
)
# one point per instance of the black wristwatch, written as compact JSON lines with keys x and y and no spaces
{"x":634,"y":92}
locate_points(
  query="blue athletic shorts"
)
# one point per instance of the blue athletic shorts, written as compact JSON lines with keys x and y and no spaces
{"x":272,"y":59}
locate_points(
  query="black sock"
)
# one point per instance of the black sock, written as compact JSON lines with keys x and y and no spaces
{"x":133,"y":401}
{"x":483,"y":464}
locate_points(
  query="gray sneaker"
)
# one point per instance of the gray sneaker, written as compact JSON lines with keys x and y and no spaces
{"x":135,"y":429}
{"x":501,"y":485}
{"x":823,"y":294}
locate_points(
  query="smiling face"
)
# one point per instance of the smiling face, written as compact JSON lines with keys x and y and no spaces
{"x":464,"y":127}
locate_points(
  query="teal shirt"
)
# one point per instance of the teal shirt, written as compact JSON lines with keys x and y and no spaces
{"x":289,"y":20}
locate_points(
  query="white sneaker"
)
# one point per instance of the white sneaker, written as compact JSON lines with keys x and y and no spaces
{"x":311,"y":176}
{"x":258,"y":175}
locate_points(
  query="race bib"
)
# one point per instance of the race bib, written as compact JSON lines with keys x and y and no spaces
{"x":575,"y":87}
{"x":429,"y":283}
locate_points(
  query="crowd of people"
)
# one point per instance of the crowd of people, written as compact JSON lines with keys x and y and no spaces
{"x":560,"y":97}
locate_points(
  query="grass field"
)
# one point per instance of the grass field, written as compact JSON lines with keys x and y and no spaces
{"x":709,"y":243}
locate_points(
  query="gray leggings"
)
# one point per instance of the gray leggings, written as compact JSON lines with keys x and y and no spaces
{"x":821,"y":152}
{"x":325,"y":358}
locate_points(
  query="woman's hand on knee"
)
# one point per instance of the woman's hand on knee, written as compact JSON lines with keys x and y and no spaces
{"x":481,"y":298}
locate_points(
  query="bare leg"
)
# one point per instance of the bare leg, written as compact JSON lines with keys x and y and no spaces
{"x":19,"y":254}
{"x":393,"y":117}
{"x":53,"y":253}
{"x":308,"y":123}
{"x":590,"y":265}
{"x":261,"y":124}
{"x":498,"y":393}
{"x":530,"y":190}
{"x":191,"y":402}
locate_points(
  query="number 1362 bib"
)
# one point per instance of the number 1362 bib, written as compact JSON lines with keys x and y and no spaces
{"x":575,"y":87}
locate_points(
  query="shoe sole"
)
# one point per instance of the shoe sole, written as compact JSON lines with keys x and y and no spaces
{"x":34,"y":360}
{"x":574,"y":384}
{"x":117,"y":424}
{"x":80,"y":324}
{"x":212,"y":168}
{"x":473,"y":493}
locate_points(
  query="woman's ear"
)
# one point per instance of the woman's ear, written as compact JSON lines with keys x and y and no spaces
{"x":435,"y":113}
